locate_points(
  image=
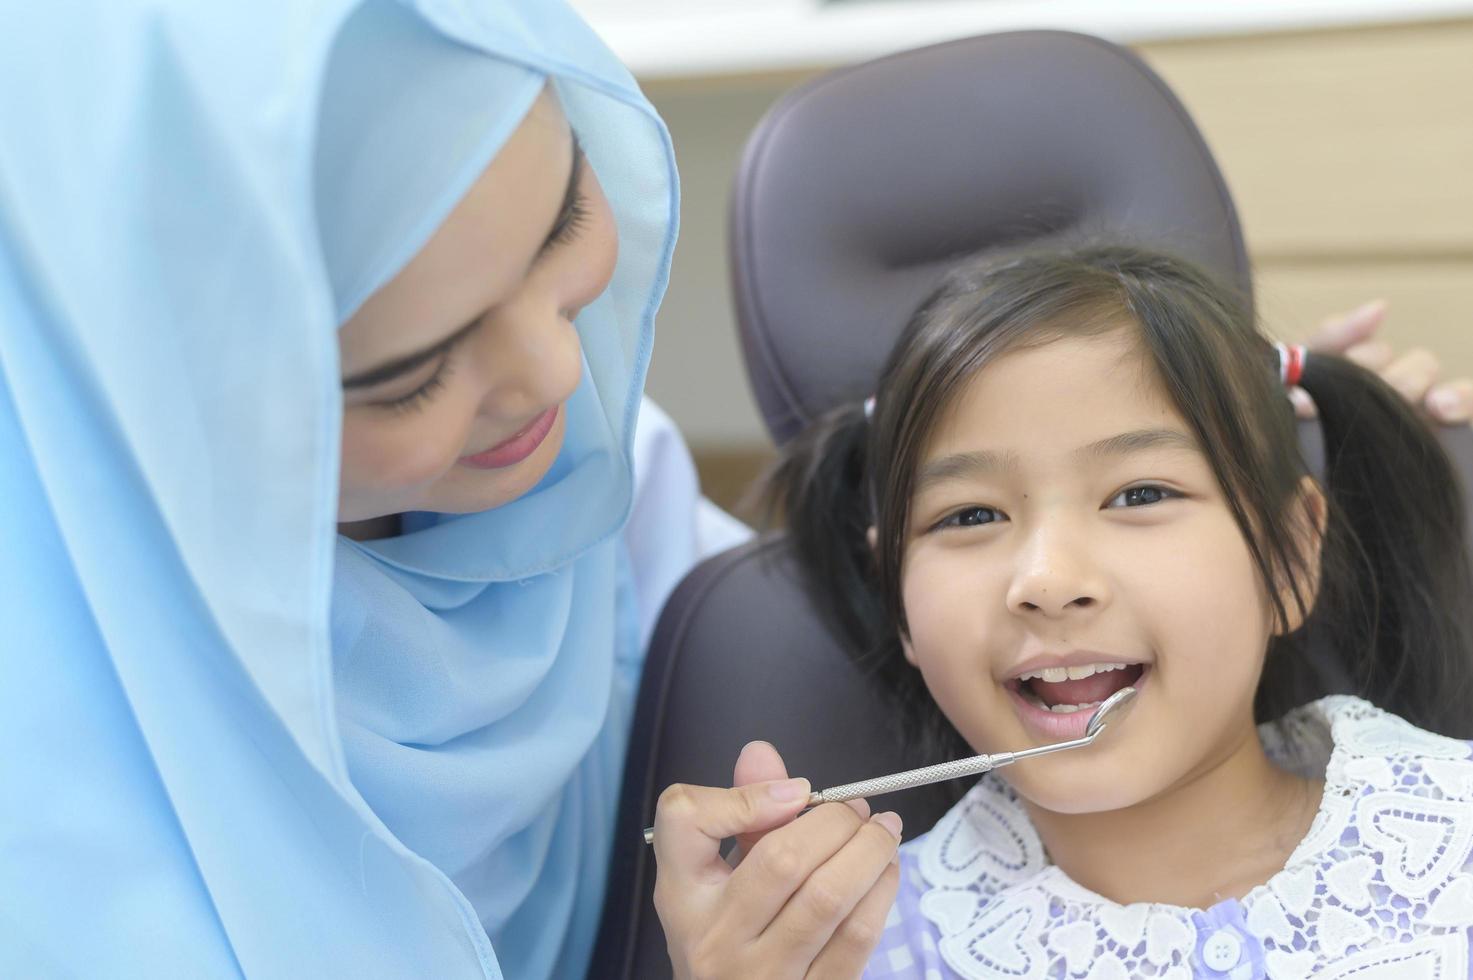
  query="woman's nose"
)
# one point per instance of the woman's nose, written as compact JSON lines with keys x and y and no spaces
{"x":529,"y":361}
{"x":1055,"y":576}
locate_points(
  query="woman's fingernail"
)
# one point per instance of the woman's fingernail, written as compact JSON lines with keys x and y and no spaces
{"x":890,"y":821}
{"x":1447,"y":403}
{"x":788,"y":790}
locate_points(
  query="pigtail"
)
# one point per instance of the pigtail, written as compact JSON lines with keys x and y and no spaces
{"x":818,"y":489}
{"x":821,"y":487}
{"x":1396,"y":589}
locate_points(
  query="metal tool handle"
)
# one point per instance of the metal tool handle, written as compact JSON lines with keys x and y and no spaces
{"x":894,"y":782}
{"x":960,"y":767}
{"x":914,"y":777}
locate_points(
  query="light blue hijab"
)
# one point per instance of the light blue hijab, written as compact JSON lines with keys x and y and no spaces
{"x":236,"y":743}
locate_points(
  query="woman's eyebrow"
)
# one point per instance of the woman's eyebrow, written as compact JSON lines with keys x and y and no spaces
{"x":404,"y":365}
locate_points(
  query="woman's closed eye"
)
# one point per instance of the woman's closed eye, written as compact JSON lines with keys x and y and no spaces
{"x":423,"y":394}
{"x":569,"y":224}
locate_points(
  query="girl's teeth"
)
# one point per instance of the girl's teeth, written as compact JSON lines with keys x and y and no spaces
{"x":1055,"y":675}
{"x":1069,"y":709}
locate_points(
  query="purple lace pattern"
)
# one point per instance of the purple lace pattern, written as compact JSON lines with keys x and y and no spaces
{"x":1381,"y":887}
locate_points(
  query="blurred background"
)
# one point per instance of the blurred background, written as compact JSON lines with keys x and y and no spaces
{"x":1344,"y":128}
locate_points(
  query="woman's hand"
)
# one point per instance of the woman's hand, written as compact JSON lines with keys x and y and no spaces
{"x":1414,"y":373}
{"x":801,"y":898}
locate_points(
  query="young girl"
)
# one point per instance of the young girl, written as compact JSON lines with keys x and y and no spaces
{"x":1074,"y":476}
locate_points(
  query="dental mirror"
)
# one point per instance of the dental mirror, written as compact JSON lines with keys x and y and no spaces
{"x":1113,"y":708}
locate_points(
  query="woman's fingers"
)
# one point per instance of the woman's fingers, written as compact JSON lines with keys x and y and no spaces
{"x":758,"y":762}
{"x":692,"y":821}
{"x":1412,"y":374}
{"x":780,"y":863}
{"x":854,"y":941}
{"x":1451,"y":402}
{"x":1373,"y":355}
{"x":832,"y":891}
{"x":1337,"y":334}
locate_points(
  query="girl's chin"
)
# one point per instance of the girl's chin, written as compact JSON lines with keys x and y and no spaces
{"x":1087,"y":800}
{"x":1087,"y":780}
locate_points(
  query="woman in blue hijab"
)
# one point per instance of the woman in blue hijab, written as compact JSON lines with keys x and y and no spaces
{"x":265,"y":270}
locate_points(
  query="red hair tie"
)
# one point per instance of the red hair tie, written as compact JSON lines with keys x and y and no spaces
{"x":1291,"y":363}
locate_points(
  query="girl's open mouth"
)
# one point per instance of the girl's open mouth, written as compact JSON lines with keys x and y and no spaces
{"x":1054,"y":705}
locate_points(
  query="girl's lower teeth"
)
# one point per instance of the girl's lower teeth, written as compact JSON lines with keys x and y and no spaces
{"x":1058,"y":709}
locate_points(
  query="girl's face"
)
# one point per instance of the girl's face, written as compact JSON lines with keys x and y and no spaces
{"x":1066,"y":519}
{"x":456,"y":371}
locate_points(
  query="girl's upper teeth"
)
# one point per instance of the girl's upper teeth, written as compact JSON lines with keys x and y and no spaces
{"x":1053,"y":675}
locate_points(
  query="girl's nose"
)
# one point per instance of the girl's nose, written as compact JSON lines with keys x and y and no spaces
{"x":1055,"y":577}
{"x":528,"y":361}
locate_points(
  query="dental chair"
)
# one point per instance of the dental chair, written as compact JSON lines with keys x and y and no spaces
{"x":855,"y":193}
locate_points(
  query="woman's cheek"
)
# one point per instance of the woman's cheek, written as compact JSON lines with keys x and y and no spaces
{"x":398,"y":453}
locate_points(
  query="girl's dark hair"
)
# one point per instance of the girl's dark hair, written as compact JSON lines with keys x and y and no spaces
{"x":1390,"y":617}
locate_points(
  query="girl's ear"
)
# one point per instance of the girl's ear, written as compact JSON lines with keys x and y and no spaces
{"x":872,"y":536}
{"x":1311,"y":513}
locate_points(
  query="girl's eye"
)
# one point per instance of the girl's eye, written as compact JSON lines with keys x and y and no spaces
{"x":420,"y":396}
{"x":971,"y":517}
{"x":1141,"y":496}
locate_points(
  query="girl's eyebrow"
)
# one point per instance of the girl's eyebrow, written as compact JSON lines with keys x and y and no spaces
{"x":1138,"y":440}
{"x":403,"y":365}
{"x":983,"y":462}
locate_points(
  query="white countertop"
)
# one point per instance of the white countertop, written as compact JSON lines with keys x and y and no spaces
{"x":671,"y":39}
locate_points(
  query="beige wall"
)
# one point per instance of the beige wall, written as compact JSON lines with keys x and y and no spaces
{"x":1350,"y":155}
{"x":1349,"y":152}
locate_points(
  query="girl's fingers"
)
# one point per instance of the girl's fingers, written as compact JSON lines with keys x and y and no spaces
{"x":832,"y":892}
{"x":692,"y":821}
{"x":1412,"y":374}
{"x":1451,"y":402}
{"x":854,"y":942}
{"x":780,"y":864}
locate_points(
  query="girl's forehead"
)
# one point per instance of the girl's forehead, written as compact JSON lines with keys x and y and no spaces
{"x":1068,"y":387}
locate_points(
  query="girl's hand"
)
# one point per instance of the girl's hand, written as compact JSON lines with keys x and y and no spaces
{"x":1413,"y":373}
{"x":806,"y":898}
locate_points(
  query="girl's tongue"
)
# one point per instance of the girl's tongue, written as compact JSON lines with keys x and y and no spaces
{"x":1086,"y":690}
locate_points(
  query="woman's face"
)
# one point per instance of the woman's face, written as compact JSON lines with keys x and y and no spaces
{"x":1066,"y":519}
{"x":456,"y":371}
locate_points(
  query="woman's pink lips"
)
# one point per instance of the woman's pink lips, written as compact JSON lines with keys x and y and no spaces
{"x":1054,"y":727}
{"x":517,"y":448}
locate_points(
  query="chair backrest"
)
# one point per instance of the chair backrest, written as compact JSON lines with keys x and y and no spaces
{"x":855,"y":193}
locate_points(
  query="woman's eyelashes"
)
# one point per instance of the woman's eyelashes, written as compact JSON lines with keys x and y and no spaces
{"x":570,"y":223}
{"x":574,"y":219}
{"x":422,"y":395}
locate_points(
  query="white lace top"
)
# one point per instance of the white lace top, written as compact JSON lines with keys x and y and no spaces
{"x":1380,"y":889}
